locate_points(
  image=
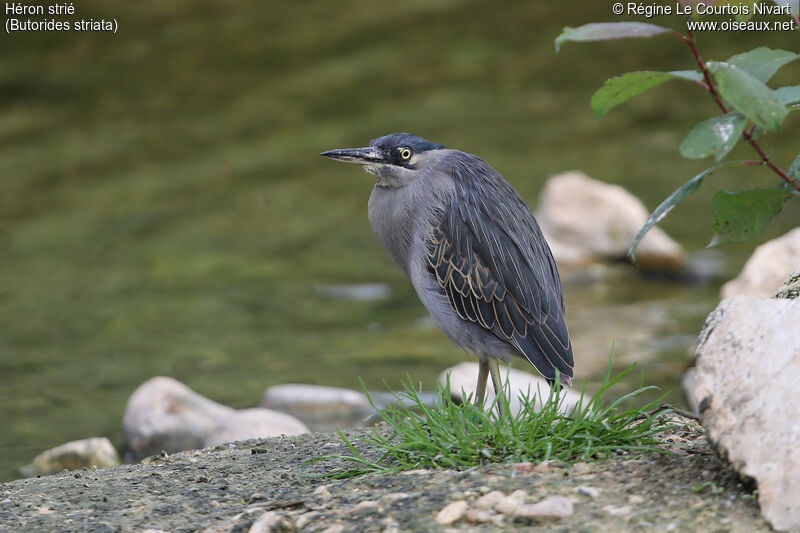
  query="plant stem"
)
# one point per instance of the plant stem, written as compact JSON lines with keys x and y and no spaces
{"x":748,"y":135}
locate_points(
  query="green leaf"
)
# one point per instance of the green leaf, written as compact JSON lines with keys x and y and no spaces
{"x":762,"y":62}
{"x":622,"y":88}
{"x":789,"y":95}
{"x":691,"y":75}
{"x":669,"y":204}
{"x":604,"y":31}
{"x":748,"y":94}
{"x":793,"y":172}
{"x":741,"y":216}
{"x":715,"y":136}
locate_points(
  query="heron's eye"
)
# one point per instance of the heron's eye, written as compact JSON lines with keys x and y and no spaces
{"x":405,"y":153}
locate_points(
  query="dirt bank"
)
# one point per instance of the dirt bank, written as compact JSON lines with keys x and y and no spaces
{"x":229,"y":487}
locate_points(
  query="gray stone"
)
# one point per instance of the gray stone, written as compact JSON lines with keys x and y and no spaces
{"x":745,"y":385}
{"x":587,"y":220}
{"x":74,"y":455}
{"x":767,"y":268}
{"x":463,"y":379}
{"x":321,"y":408}
{"x":164,"y":414}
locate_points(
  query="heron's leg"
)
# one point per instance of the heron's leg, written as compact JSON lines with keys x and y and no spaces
{"x":483,"y":375}
{"x":497,"y":382}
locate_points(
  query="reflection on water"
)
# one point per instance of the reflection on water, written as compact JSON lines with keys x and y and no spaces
{"x":163,"y":209}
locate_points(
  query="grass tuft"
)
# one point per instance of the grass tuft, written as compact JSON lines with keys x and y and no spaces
{"x":455,"y":436}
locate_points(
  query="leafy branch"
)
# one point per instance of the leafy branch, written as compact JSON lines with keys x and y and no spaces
{"x":750,"y":109}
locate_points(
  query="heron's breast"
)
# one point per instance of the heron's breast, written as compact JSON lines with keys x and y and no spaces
{"x":392,"y":215}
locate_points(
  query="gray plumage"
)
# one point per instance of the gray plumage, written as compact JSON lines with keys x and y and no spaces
{"x":472,"y":250}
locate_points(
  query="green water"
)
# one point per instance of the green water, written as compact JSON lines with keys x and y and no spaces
{"x":163,"y":209}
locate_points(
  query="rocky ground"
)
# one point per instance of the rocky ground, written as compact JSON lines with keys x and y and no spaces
{"x":262,"y":485}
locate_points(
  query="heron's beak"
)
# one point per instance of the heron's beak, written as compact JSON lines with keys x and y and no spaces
{"x":364,"y":156}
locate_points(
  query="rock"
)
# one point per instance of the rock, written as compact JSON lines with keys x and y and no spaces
{"x":74,"y":455}
{"x":322,"y":491}
{"x":591,"y":492}
{"x":356,"y":292}
{"x":481,"y":516}
{"x":581,"y":468}
{"x":509,"y":504}
{"x":766,"y":268}
{"x":790,"y":289}
{"x":451,"y":513}
{"x":254,"y":423}
{"x":390,"y":498}
{"x":164,"y":414}
{"x":321,"y":408}
{"x":622,"y":510}
{"x":269,"y":522}
{"x":586,"y":220}
{"x":552,"y":507}
{"x":745,"y":384}
{"x":463,"y":378}
{"x":366,"y":504}
{"x":489,"y":500}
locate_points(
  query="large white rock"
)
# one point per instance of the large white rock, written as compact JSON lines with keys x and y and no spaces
{"x":745,"y":385}
{"x":322,"y":408}
{"x":164,"y":414}
{"x":767,"y":267}
{"x":585,"y":220}
{"x":74,"y":455}
{"x":464,"y":376}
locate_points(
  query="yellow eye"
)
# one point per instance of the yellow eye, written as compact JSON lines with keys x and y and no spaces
{"x":405,"y":153}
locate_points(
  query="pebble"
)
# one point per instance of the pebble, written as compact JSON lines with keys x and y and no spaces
{"x":322,"y":491}
{"x":366,"y":504}
{"x":580,"y":469}
{"x":552,"y":507}
{"x":392,"y":497}
{"x":635,"y":498}
{"x":305,"y":518}
{"x":591,"y":492}
{"x":481,"y":516}
{"x":336,"y":528}
{"x":509,"y":504}
{"x":622,"y":510}
{"x":451,"y":513}
{"x":269,"y":522}
{"x":489,"y":500}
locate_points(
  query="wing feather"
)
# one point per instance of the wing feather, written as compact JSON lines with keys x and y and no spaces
{"x":490,"y":258}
